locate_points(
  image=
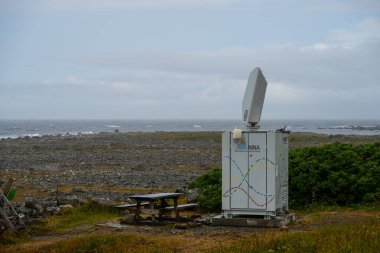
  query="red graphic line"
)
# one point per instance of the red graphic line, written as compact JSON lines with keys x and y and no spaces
{"x":238,"y":187}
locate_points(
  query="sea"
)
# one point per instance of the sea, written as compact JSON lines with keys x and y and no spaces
{"x":38,"y":128}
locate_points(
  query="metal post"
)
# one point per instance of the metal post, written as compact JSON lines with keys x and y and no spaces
{"x":56,"y":192}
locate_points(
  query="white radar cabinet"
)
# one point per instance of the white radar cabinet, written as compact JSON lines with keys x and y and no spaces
{"x":255,"y":162}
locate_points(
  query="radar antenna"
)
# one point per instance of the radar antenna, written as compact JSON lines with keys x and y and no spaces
{"x":253,"y":101}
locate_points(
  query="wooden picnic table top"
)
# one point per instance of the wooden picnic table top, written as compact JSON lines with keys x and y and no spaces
{"x":152,"y":196}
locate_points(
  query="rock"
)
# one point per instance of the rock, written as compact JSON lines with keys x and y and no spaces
{"x":192,"y":195}
{"x":29,"y":204}
{"x":181,"y":226}
{"x":38,"y":207}
{"x":48,"y":202}
{"x":195,"y":216}
{"x":69,"y":199}
{"x":67,"y":206}
{"x":193,"y":224}
{"x":52,"y":210}
{"x":103,"y":202}
{"x":128,"y":218}
{"x":205,"y":221}
{"x":179,"y":190}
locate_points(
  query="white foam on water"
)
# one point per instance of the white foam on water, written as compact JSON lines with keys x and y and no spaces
{"x":87,"y":132}
{"x":9,"y":137}
{"x":112,"y":126}
{"x":31,"y":135}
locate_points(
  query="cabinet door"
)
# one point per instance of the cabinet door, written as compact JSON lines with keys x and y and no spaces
{"x":238,"y":191}
{"x":257,"y":167}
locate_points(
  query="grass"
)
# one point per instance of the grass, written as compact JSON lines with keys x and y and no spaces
{"x":359,"y":235}
{"x":107,"y":243}
{"x":72,"y":217}
{"x":311,"y":209}
{"x":330,"y":239}
{"x":333,"y":229}
{"x":69,"y":221}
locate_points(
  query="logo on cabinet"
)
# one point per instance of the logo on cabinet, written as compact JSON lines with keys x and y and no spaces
{"x":241,"y":144}
{"x":254,"y":148}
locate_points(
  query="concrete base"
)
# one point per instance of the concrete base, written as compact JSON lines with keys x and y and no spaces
{"x":275,"y":222}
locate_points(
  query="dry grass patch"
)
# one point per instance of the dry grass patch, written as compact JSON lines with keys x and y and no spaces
{"x":125,"y":243}
{"x":357,"y":231}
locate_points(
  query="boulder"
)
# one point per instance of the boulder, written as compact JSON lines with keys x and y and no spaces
{"x":52,"y":210}
{"x":70,"y":199}
{"x":128,"y":218}
{"x":192,"y":195}
{"x":103,"y":202}
{"x":38,"y":207}
{"x":205,"y":221}
{"x":181,"y":226}
{"x":67,"y":206}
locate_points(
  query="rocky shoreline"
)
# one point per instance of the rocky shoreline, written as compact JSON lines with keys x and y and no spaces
{"x":98,"y":164}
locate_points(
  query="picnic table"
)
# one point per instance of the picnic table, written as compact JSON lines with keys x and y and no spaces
{"x":158,"y":204}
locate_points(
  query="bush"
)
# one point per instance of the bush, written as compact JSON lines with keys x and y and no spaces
{"x":210,"y":190}
{"x":335,"y":174}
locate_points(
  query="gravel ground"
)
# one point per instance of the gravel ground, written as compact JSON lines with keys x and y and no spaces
{"x":117,"y":160}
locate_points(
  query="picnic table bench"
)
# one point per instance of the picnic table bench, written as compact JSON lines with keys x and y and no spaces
{"x":158,"y":204}
{"x":181,"y":207}
{"x":131,"y":205}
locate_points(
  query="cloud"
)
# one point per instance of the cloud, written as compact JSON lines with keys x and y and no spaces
{"x":366,"y":31}
{"x":336,"y":77}
{"x":72,"y":80}
{"x":359,"y":43}
{"x":347,"y":6}
{"x":342,"y":70}
{"x":116,"y":4}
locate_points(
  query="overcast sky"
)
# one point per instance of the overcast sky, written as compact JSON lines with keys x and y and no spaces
{"x":188,"y":59}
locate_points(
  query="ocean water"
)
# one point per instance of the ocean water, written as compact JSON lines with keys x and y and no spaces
{"x":22,"y":128}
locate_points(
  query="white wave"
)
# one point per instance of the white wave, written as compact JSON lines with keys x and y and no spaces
{"x":9,"y":137}
{"x":341,"y":127}
{"x":149,"y":126}
{"x":87,"y":132}
{"x":31,"y":135}
{"x":112,"y":126}
{"x":197,"y":126}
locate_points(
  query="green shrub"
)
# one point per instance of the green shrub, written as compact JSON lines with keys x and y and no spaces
{"x":210,"y":190}
{"x":335,"y":174}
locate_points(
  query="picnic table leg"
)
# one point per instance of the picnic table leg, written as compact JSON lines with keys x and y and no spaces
{"x":137,"y":213}
{"x":163,"y":204}
{"x":151,"y":206}
{"x":176,"y":207}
